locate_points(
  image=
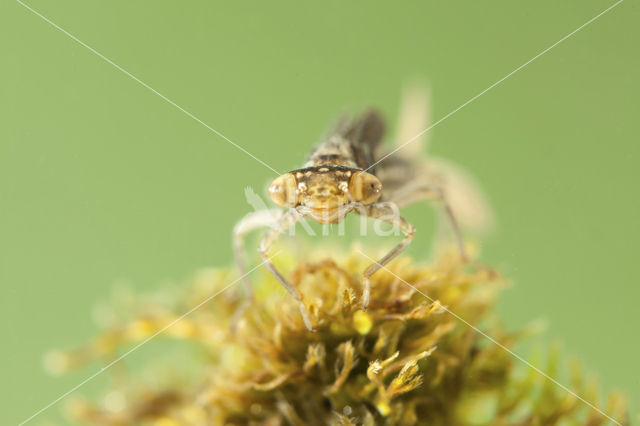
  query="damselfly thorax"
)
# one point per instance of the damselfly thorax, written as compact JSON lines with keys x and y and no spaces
{"x":345,"y":173}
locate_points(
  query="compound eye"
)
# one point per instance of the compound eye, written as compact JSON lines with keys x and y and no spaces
{"x":365,"y":188}
{"x":283,"y":190}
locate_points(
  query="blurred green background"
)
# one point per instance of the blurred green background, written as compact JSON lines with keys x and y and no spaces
{"x":102,"y":181}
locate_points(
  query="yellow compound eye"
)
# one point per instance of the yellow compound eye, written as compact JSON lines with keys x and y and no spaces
{"x":283,"y":190}
{"x":364,"y":187}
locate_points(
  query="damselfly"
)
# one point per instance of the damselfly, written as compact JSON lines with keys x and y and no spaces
{"x":349,"y":172}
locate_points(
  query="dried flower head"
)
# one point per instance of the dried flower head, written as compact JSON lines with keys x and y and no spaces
{"x":405,"y":361}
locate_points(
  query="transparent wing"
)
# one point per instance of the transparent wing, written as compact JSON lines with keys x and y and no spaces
{"x":406,"y":183}
{"x":467,"y":199}
{"x":408,"y":168}
{"x":397,"y":170}
{"x":414,"y":117}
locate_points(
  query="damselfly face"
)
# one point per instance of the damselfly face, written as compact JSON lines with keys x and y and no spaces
{"x":325,"y":193}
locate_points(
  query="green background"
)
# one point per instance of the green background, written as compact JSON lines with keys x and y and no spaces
{"x":103,"y":181}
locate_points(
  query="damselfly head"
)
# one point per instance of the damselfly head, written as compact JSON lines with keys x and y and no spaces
{"x":325,"y":188}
